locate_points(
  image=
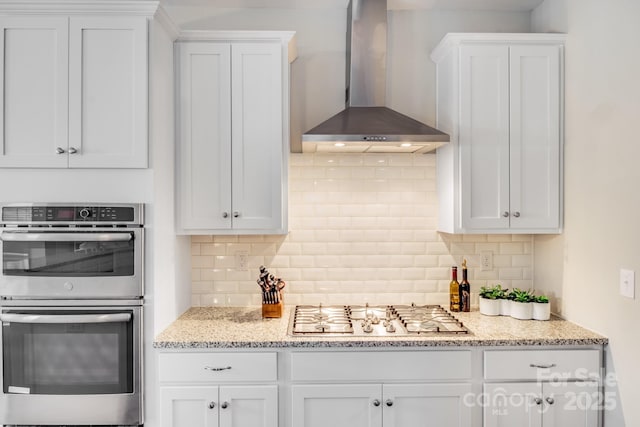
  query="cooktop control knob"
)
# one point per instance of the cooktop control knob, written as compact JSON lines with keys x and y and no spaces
{"x":367,"y":327}
{"x":68,"y":286}
{"x":84,"y":213}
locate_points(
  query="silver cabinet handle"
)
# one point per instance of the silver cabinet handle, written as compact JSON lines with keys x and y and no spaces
{"x":537,"y":401}
{"x":224,"y":405}
{"x":225,"y":214}
{"x":550,"y":365}
{"x":505,"y":214}
{"x":59,"y":150}
{"x":236,"y":214}
{"x":65,"y":318}
{"x":376,"y":402}
{"x":550,"y":400}
{"x":516,"y":214}
{"x":212,"y":405}
{"x":22,"y":236}
{"x":214,"y":369}
{"x":389,"y":402}
{"x":72,"y":150}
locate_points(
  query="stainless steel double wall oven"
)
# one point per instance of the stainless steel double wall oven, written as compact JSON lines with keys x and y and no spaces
{"x":71,"y":286}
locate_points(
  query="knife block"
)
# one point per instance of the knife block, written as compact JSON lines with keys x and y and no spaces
{"x":273,"y":311}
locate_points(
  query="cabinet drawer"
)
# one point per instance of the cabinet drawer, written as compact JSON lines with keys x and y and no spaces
{"x":381,"y":366}
{"x":541,"y":364}
{"x":217,"y":367}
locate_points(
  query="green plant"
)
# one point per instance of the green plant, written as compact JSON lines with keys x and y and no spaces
{"x":520,"y":295}
{"x":542,"y":299}
{"x":494,"y":292}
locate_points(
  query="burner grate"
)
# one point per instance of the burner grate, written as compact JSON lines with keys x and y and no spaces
{"x":380,"y":321}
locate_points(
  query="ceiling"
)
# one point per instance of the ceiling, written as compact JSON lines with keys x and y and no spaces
{"x":501,"y":5}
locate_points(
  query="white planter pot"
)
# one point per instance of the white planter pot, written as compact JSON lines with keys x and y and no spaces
{"x":489,"y":307}
{"x":505,"y":307}
{"x":541,"y":311}
{"x":522,"y":310}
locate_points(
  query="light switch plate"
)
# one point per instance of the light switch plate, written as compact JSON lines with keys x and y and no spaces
{"x":627,"y":283}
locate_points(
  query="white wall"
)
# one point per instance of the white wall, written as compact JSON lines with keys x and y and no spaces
{"x":602,"y":201}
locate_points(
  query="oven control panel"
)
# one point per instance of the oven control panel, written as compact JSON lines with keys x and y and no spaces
{"x":69,"y":214}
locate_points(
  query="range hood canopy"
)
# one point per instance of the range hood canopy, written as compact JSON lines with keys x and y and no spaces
{"x":366,"y":125}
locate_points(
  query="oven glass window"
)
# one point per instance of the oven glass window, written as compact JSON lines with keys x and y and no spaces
{"x":67,"y":358}
{"x":60,"y":258}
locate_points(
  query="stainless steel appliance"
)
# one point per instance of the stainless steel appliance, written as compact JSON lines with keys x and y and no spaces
{"x":376,"y":321}
{"x":71,"y":251}
{"x":71,"y":311}
{"x":71,"y":363}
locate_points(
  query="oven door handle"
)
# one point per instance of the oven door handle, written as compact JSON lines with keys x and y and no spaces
{"x":65,"y":318}
{"x":21,"y":236}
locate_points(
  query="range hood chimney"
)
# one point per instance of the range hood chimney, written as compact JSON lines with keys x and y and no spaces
{"x":366,"y":125}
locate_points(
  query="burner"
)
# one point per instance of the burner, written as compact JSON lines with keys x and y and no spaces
{"x":379,"y":321}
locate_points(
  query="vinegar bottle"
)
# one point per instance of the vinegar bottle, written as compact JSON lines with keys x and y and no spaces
{"x":454,"y":290}
{"x":465,"y":289}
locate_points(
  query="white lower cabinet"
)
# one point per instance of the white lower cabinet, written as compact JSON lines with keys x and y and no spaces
{"x":223,"y":406}
{"x":375,"y":405}
{"x":212,"y":389}
{"x":386,"y":388}
{"x":556,"y":404}
{"x":547,"y":388}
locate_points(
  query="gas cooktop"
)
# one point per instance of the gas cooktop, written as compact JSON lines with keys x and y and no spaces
{"x":377,"y":321}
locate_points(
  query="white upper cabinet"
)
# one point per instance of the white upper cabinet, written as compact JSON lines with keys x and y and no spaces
{"x":108,"y":92}
{"x":34,"y":77}
{"x":74,"y":90}
{"x":500,"y":98}
{"x":233,"y":132}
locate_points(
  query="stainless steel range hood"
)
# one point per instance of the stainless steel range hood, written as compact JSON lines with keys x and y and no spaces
{"x":366,"y":125}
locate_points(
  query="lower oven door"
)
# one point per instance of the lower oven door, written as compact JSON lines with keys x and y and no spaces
{"x":71,"y":365}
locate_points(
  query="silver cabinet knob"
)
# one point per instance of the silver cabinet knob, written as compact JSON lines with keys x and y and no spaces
{"x":376,"y":402}
{"x":212,"y":405}
{"x":389,"y":402}
{"x":516,"y":214}
{"x":59,"y":150}
{"x":72,"y":150}
{"x":224,"y":405}
{"x":236,"y":214}
{"x":537,"y":401}
{"x":225,"y":214}
{"x":505,"y":214}
{"x":550,"y":400}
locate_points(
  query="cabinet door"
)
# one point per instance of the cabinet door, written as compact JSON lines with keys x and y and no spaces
{"x":513,"y":404}
{"x":189,"y":406}
{"x":249,"y":406}
{"x":337,"y":405}
{"x":257,"y":129}
{"x":108,"y":92}
{"x":572,"y":404}
{"x":34,"y":90}
{"x":424,"y":405}
{"x":204,"y":176}
{"x":484,"y":137}
{"x":535,"y":136}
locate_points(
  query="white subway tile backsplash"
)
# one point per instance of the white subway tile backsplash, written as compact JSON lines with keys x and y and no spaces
{"x":362,"y":229}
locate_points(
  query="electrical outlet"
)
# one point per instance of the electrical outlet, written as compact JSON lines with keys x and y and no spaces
{"x":486,"y":260}
{"x":242,"y":260}
{"x":627,"y":283}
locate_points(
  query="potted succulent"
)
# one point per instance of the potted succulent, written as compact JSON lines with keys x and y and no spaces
{"x":490,"y":300}
{"x":521,"y":304}
{"x":541,"y":308}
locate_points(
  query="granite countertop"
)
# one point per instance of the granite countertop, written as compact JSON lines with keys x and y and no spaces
{"x":244,"y":327}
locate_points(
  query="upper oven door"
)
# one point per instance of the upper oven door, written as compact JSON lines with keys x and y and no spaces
{"x":71,"y":262}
